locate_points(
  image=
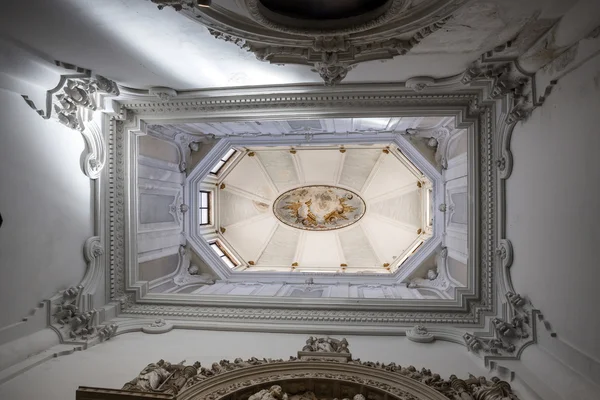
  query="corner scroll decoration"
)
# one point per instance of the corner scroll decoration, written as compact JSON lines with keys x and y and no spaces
{"x":506,"y":78}
{"x":72,"y":103}
{"x":510,"y":335}
{"x":75,"y":325}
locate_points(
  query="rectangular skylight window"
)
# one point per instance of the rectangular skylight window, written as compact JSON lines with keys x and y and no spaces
{"x":222,"y":161}
{"x":223,"y":254}
{"x":204,"y":207}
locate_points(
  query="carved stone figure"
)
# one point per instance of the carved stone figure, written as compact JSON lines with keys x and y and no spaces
{"x":150,"y":378}
{"x":326,"y":345}
{"x":436,"y":138}
{"x":162,"y":377}
{"x":169,"y":379}
{"x":275,"y":392}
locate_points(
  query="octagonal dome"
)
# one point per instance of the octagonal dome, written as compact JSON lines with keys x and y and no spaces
{"x":324,"y":209}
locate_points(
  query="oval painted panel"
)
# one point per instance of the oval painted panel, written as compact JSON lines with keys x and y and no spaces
{"x":319,"y":208}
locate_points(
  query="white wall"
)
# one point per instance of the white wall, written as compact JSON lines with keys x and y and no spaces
{"x":553,"y":214}
{"x":45,"y":201}
{"x":119,"y":360}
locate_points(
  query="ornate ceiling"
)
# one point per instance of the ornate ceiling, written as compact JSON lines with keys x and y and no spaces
{"x":322,"y":208}
{"x":232,"y":229}
{"x":335,"y":39}
{"x":152,"y":149}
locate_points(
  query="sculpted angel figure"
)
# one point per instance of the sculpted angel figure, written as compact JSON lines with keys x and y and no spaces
{"x":150,"y":378}
{"x":275,"y":392}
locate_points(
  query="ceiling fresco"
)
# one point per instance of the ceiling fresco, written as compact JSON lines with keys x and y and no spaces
{"x":319,"y":208}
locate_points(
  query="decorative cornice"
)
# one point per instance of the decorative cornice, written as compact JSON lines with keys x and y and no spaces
{"x":311,"y":100}
{"x":332,"y":48}
{"x":332,"y":57}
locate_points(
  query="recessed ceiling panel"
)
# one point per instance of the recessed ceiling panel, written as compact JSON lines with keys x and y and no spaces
{"x":248,"y":177}
{"x":358,"y":164}
{"x":280,"y":168}
{"x":319,"y":166}
{"x":389,"y":175}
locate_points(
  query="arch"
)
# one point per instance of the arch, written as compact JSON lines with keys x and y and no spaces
{"x":324,"y":378}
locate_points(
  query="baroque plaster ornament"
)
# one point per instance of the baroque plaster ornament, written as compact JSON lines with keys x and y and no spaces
{"x":511,"y":334}
{"x":163,"y":93}
{"x":77,"y":94}
{"x":177,"y":5}
{"x":433,"y":280}
{"x":419,"y":83}
{"x":505,"y":77}
{"x":74,"y":324}
{"x":72,"y":103}
{"x":419,"y":334}
{"x":331,"y":56}
{"x":121,"y":132}
{"x":158,"y":326}
{"x":325,"y":345}
{"x":272,"y":375}
{"x":437,"y":139}
{"x":162,"y":377}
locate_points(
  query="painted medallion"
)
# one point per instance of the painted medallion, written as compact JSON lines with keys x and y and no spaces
{"x":319,"y":208}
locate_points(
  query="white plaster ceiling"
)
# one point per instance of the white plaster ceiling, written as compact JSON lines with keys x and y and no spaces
{"x":140,"y":46}
{"x":391,"y":228}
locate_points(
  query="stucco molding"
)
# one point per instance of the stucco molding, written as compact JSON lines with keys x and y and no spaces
{"x":419,"y":334}
{"x":299,"y":102}
{"x":333,"y":47}
{"x":509,"y":333}
{"x":73,"y":102}
{"x":73,"y":323}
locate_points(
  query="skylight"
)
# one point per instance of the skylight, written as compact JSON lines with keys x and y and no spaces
{"x":223,"y":254}
{"x":204,"y":207}
{"x":222,"y":162}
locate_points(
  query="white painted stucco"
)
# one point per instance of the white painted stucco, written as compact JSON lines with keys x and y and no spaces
{"x":552,"y":199}
{"x":45,"y":201}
